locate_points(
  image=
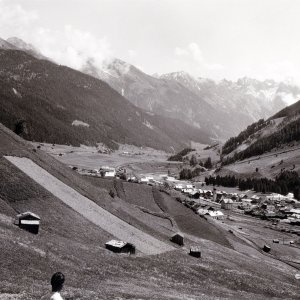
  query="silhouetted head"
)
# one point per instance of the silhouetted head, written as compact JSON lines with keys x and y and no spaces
{"x":57,"y":281}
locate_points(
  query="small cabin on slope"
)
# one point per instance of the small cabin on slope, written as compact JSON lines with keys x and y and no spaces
{"x":195,"y":251}
{"x":28,"y":221}
{"x":120,"y":247}
{"x":177,"y":238}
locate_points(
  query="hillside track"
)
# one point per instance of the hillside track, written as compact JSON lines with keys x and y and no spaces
{"x":144,"y":242}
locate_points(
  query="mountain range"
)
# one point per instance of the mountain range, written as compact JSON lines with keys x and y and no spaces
{"x":176,"y":107}
{"x":200,"y":102}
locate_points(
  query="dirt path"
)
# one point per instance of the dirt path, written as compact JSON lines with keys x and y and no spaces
{"x":90,"y":210}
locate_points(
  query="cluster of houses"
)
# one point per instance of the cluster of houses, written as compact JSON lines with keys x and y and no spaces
{"x":265,"y":206}
{"x":104,"y":171}
{"x":275,"y":207}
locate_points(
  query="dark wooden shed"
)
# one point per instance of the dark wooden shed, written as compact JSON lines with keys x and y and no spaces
{"x":120,"y":247}
{"x":267,"y":248}
{"x":195,"y":251}
{"x":177,"y":238}
{"x":28,"y":221}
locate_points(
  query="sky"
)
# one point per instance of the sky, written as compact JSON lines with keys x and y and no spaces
{"x":207,"y":38}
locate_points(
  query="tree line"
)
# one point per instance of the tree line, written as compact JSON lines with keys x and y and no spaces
{"x":285,"y":182}
{"x":189,"y":173}
{"x":234,"y":142}
{"x":287,"y":134}
{"x":179,"y":156}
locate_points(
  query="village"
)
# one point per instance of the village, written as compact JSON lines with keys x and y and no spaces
{"x":212,"y":202}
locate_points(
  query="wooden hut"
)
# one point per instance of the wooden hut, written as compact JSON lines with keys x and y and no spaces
{"x":28,"y":221}
{"x":267,"y":248}
{"x":177,"y":238}
{"x":120,"y":247}
{"x":195,"y":251}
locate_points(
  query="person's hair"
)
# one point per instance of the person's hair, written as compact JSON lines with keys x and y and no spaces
{"x":57,"y":281}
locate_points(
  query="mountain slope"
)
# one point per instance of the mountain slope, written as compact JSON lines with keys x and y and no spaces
{"x":160,"y":96}
{"x":289,"y":111}
{"x":6,"y":45}
{"x":278,"y":135}
{"x":199,"y":102}
{"x":70,"y":243}
{"x":61,"y":105}
{"x":249,"y":97}
{"x":21,"y":45}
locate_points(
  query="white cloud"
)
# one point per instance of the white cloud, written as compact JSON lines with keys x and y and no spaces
{"x":214,"y":67}
{"x":192,"y":59}
{"x":181,"y":52}
{"x":68,"y":46}
{"x":14,"y":19}
{"x":71,"y":46}
{"x":132,"y":53}
{"x":281,"y":70}
{"x":196,"y":52}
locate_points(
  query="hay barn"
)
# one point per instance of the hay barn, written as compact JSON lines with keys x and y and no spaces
{"x":195,"y":252}
{"x":28,"y":221}
{"x":177,"y":238}
{"x":120,"y":247}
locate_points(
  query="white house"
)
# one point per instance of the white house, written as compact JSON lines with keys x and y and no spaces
{"x":179,"y":187}
{"x":144,"y":180}
{"x":276,"y":197}
{"x":218,"y":215}
{"x":107,"y":171}
{"x":190,"y":186}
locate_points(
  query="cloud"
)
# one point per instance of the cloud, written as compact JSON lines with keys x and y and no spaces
{"x":13,"y":18}
{"x":196,"y":52}
{"x":181,"y":52}
{"x":214,"y":67}
{"x":68,"y":45}
{"x":72,"y":47}
{"x":191,"y":57}
{"x":132,"y":53}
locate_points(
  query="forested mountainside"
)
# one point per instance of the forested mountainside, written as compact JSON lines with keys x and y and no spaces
{"x":56,"y":104}
{"x":283,"y":129}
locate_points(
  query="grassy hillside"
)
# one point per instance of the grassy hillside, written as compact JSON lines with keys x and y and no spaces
{"x":56,"y":104}
{"x":69,"y":243}
{"x":288,"y":111}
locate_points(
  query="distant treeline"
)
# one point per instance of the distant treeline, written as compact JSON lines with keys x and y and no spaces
{"x":234,"y":142}
{"x":179,"y":156}
{"x":189,"y":174}
{"x":284,"y":183}
{"x":287,"y":134}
